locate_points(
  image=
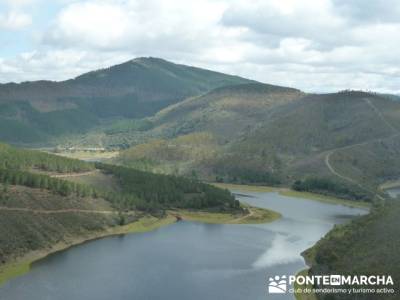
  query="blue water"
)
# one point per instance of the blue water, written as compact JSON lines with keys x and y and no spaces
{"x":186,"y":260}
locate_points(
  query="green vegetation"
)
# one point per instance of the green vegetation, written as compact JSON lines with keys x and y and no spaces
{"x":22,"y":231}
{"x":179,"y":120}
{"x":13,"y":270}
{"x":292,"y":193}
{"x":40,"y":111}
{"x":20,"y":159}
{"x":137,"y":189}
{"x":366,"y":246}
{"x":97,"y":180}
{"x":246,"y":188}
{"x":147,"y":191}
{"x":101,"y":155}
{"x":252,"y":215}
{"x":48,"y":202}
{"x":22,"y":266}
{"x":330,"y":187}
{"x":252,"y":134}
{"x":61,"y":187}
{"x":324,"y":198}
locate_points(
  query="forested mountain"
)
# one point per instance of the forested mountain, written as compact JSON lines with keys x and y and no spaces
{"x":187,"y":121}
{"x":254,"y":134}
{"x":34,"y":112}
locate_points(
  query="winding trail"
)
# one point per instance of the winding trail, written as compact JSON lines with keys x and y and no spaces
{"x":61,"y":211}
{"x":251,"y":213}
{"x":328,"y":155}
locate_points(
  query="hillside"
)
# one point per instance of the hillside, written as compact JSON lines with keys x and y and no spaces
{"x":199,"y":130}
{"x":35,"y":112}
{"x":252,"y":134}
{"x":49,"y":202}
{"x":225,"y":111}
{"x":366,"y":246}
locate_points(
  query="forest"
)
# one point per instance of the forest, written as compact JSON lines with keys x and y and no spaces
{"x":21,"y":159}
{"x":147,"y":190}
{"x":329,"y":187}
{"x":138,"y":190}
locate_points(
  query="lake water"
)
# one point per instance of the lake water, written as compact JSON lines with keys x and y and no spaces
{"x":186,"y":260}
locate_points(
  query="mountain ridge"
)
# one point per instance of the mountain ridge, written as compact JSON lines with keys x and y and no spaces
{"x":134,"y":89}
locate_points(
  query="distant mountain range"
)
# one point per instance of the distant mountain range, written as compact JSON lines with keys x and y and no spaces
{"x":195,"y":122}
{"x":34,"y":112}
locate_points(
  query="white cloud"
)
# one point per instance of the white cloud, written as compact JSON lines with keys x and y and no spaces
{"x":14,"y":20}
{"x":100,"y":25}
{"x":313,"y":45}
{"x":56,"y":64}
{"x":141,"y":25}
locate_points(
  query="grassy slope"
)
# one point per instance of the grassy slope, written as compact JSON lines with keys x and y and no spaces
{"x":22,"y":232}
{"x":87,"y":155}
{"x":25,"y":236}
{"x":255,"y":216}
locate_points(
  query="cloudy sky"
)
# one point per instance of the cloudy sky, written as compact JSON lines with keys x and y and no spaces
{"x":315,"y":45}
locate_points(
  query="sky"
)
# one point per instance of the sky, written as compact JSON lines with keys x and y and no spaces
{"x":313,"y":45}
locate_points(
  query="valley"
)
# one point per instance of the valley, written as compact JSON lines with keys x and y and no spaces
{"x":149,"y":143}
{"x":243,"y":251}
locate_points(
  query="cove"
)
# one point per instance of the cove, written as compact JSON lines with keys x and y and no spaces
{"x":186,"y":260}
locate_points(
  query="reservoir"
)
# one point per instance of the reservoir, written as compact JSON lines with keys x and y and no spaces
{"x":186,"y":260}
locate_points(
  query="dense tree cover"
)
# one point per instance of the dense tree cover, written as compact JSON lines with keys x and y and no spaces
{"x":138,"y":190}
{"x":368,"y":245}
{"x":147,"y":190}
{"x":20,"y":159}
{"x":246,"y":176}
{"x":62,"y":187}
{"x":329,"y":187}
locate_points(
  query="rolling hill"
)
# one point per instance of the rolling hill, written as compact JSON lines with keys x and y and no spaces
{"x":35,"y":112}
{"x":253,"y":133}
{"x":188,"y":121}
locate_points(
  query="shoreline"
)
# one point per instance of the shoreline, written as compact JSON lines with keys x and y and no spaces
{"x":285,"y":191}
{"x":22,"y":265}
